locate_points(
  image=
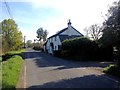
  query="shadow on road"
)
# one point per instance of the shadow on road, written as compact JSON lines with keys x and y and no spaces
{"x":88,"y":81}
{"x":45,"y":60}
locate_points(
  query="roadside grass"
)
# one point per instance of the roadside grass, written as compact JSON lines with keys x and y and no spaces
{"x":0,"y":73}
{"x":0,"y":59}
{"x":12,"y":53}
{"x":112,"y":70}
{"x":11,"y":69}
{"x":10,"y":72}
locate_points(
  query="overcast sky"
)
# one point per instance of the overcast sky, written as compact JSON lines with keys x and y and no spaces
{"x":53,"y":15}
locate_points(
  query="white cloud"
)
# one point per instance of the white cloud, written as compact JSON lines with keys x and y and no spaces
{"x":81,"y":12}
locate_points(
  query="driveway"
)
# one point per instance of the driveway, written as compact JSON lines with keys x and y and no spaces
{"x":46,"y":71}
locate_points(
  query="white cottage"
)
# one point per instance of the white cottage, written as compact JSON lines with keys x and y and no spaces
{"x":54,"y":42}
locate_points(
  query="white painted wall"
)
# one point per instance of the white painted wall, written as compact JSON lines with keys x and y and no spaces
{"x":55,"y":42}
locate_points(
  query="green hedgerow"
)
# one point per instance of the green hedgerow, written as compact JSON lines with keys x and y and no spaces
{"x":112,"y":70}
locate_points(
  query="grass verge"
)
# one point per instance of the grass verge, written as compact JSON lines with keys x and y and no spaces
{"x":112,"y":70}
{"x":11,"y":69}
{"x":0,"y":73}
{"x":12,"y":53}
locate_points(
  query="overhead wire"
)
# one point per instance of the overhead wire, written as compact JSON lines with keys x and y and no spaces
{"x":8,"y":10}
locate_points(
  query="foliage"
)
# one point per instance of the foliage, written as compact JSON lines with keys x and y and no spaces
{"x":0,"y":45}
{"x":37,"y":46}
{"x":0,"y":72}
{"x":12,"y":53}
{"x":79,"y":47}
{"x":10,"y":72}
{"x":112,"y":70}
{"x":57,"y":53}
{"x":42,"y":34}
{"x":105,"y":53}
{"x":84,"y":48}
{"x":29,"y":43}
{"x":11,"y":36}
{"x":0,"y":59}
{"x":111,"y":31}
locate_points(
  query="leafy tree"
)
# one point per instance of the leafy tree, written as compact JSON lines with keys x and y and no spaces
{"x":111,"y":32}
{"x":29,"y":43}
{"x":11,"y":36}
{"x":42,"y":34}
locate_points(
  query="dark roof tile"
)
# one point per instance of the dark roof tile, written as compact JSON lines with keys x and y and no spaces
{"x":66,"y":35}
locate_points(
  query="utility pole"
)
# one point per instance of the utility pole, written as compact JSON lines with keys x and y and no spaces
{"x":24,"y":41}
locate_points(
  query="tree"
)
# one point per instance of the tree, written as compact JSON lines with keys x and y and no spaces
{"x":42,"y":34}
{"x":112,"y":25}
{"x":45,"y":33}
{"x":29,"y":43}
{"x":94,"y":32}
{"x":11,"y":36}
{"x":111,"y":32}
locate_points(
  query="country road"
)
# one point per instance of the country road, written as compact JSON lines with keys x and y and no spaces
{"x":46,"y":71}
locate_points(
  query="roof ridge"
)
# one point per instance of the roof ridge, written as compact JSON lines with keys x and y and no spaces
{"x":59,"y":32}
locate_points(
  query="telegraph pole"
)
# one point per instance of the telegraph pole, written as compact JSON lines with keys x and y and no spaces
{"x":24,"y":41}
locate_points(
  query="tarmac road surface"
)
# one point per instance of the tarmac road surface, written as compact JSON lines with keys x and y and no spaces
{"x":46,"y":71}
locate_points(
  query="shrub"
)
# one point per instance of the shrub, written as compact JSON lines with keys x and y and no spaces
{"x":112,"y":70}
{"x":79,"y":47}
{"x":57,"y":53}
{"x":37,"y":46}
{"x":12,"y":53}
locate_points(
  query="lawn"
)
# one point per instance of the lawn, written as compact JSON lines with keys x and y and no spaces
{"x":11,"y":69}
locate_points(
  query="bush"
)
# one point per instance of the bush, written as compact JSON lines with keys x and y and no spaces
{"x":112,"y":70}
{"x":80,"y":47}
{"x":12,"y":53}
{"x":37,"y":46}
{"x":105,"y":53}
{"x":57,"y":53}
{"x":84,"y":48}
{"x":65,"y":53}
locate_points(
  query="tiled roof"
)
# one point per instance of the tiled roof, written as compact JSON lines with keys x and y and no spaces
{"x":63,"y":31}
{"x":58,"y":33}
{"x":77,"y":31}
